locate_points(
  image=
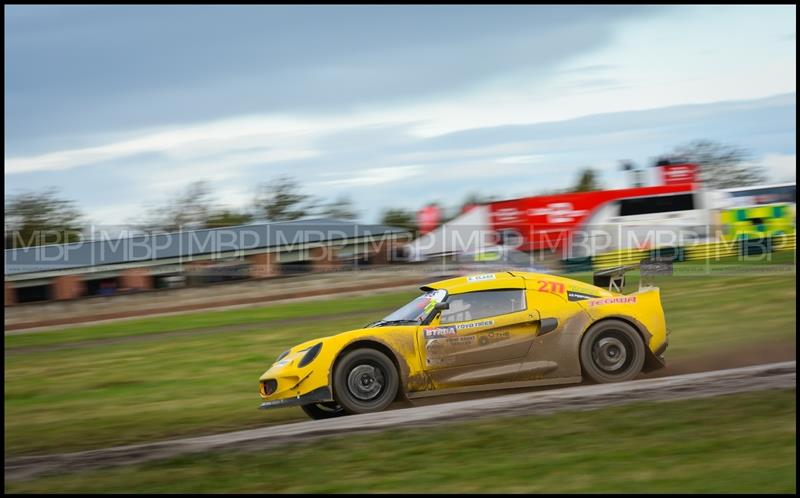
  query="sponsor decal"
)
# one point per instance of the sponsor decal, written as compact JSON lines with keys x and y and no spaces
{"x":439,"y":332}
{"x":435,"y":347}
{"x":478,"y":278}
{"x":613,"y":300}
{"x":464,"y":340}
{"x":579,"y":296}
{"x":493,"y":337}
{"x":484,"y":323}
{"x":441,"y":346}
{"x":558,"y":212}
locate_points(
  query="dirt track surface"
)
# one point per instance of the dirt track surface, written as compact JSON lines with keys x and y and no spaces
{"x":585,"y":397}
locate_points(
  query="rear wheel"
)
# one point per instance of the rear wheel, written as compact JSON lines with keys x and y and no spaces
{"x":319,"y":411}
{"x":612,"y":351}
{"x":365,"y":381}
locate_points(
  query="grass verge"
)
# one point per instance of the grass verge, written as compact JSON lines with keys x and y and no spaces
{"x":206,"y":319}
{"x":743,"y":443}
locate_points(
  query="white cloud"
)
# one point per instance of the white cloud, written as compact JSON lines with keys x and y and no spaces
{"x":686,"y":57}
{"x":374,"y":176}
{"x":780,"y":167}
{"x":279,"y":138}
{"x":691,"y":56}
{"x":526,"y":159}
{"x":659,"y":62}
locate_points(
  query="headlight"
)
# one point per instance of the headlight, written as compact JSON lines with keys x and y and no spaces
{"x":310,"y":355}
{"x":283,"y":355}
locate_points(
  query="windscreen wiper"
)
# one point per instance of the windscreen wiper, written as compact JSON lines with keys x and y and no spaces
{"x":381,"y":323}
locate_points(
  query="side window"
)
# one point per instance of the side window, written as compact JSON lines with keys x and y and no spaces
{"x":656,"y":204}
{"x":483,"y":304}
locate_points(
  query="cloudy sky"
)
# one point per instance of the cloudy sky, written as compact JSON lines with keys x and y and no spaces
{"x":122,"y":106}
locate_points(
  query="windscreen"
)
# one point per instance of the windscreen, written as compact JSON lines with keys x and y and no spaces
{"x":418,"y":309}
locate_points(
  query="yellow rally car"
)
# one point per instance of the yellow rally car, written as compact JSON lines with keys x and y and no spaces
{"x":481,"y":332}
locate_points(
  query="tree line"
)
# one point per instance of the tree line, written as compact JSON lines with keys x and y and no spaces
{"x":45,"y":217}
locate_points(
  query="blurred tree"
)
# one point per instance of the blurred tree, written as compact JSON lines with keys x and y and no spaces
{"x":587,"y":181}
{"x":282,"y":200}
{"x":721,"y":165}
{"x":341,"y":209}
{"x":39,"y":218}
{"x":400,"y":218}
{"x":227,"y":218}
{"x":191,"y":208}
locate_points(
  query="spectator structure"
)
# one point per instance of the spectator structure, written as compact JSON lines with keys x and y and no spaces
{"x":264,"y":250}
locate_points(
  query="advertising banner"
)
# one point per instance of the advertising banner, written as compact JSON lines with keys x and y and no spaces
{"x":428,"y":218}
{"x":673,"y":174}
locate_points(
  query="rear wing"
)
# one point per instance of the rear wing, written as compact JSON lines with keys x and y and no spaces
{"x":614,"y":278}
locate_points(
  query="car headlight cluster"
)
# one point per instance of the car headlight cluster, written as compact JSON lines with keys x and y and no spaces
{"x":311,"y":353}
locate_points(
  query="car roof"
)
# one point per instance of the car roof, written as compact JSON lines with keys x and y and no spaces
{"x":479,"y":281}
{"x":499,"y":280}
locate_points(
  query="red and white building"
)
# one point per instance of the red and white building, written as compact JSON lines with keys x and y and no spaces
{"x":579,"y":224}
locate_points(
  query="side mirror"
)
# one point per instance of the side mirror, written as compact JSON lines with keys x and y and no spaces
{"x":441,"y":306}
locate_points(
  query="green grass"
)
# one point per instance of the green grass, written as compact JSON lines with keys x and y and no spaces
{"x":743,"y":443}
{"x":725,"y":303}
{"x":107,"y":395}
{"x":110,"y":394}
{"x":202,"y":319}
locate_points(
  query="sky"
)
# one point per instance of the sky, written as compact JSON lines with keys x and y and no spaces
{"x":121,"y":107}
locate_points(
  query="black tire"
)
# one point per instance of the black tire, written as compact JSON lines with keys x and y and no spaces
{"x":365,"y":381}
{"x":319,"y":411}
{"x":611,"y":351}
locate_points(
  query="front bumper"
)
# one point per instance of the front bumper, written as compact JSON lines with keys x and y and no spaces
{"x":318,"y":395}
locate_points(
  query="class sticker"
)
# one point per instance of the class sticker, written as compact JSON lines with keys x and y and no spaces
{"x":551,"y":286}
{"x":613,"y":300}
{"x":478,"y":278}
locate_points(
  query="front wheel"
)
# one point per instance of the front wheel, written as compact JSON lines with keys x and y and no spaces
{"x":612,"y":351}
{"x":319,"y":411}
{"x":365,"y":381}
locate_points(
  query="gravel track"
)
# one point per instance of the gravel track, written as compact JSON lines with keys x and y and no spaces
{"x":583,"y":397}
